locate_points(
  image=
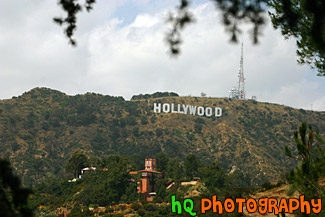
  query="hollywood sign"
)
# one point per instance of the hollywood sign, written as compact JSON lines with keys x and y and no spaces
{"x":187,"y":109}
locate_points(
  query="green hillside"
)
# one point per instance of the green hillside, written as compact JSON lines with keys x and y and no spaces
{"x":40,"y":130}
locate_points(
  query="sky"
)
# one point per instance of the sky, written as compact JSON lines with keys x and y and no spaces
{"x":121,"y":52}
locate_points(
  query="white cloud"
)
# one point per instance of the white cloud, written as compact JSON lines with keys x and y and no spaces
{"x":145,"y":21}
{"x":301,"y":94}
{"x":318,"y":104}
{"x":118,"y":58}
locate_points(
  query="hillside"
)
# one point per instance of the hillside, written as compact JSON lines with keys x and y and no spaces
{"x":40,"y":129}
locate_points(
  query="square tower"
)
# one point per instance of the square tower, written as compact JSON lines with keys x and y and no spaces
{"x":150,"y":164}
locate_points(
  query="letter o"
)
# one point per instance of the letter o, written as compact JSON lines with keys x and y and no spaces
{"x":251,"y":205}
{"x":230,"y":208}
{"x":208,"y":111}
{"x":166,"y":108}
{"x":200,"y":111}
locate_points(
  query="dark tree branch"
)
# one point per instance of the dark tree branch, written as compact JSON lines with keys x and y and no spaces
{"x":72,"y":8}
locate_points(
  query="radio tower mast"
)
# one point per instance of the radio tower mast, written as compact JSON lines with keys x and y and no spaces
{"x":241,"y":83}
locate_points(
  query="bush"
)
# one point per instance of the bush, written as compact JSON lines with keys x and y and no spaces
{"x":136,"y":206}
{"x":95,"y":206}
{"x":109,"y":209}
{"x":141,"y":212}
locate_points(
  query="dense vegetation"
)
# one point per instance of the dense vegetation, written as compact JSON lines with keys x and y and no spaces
{"x":13,"y":197}
{"x":42,"y":128}
{"x":49,"y":136}
{"x":113,"y":192}
{"x":155,"y":95}
{"x":311,"y":157}
{"x":102,"y":188}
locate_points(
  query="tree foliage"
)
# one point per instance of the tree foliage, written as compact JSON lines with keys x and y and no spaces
{"x":13,"y":197}
{"x":105,"y":187}
{"x":214,"y":177}
{"x":305,"y":21}
{"x":191,"y":165}
{"x":72,"y":8}
{"x":161,"y":190}
{"x":154,"y":95}
{"x":76,"y":163}
{"x":174,"y":169}
{"x":162,"y":162}
{"x":304,"y":178}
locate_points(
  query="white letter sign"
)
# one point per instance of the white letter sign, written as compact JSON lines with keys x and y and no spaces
{"x":187,"y":109}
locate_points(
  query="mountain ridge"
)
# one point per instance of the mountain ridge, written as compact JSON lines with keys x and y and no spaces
{"x":42,"y":128}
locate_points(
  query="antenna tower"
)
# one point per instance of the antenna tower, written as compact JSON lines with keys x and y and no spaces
{"x":239,"y":93}
{"x":241,"y":82}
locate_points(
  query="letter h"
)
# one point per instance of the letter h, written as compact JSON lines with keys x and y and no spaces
{"x":157,"y":107}
{"x":175,"y":204}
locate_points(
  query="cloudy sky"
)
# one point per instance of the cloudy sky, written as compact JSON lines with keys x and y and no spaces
{"x":121,"y":52}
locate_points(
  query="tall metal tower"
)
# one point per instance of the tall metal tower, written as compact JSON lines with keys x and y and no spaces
{"x":239,"y":93}
{"x":241,"y":82}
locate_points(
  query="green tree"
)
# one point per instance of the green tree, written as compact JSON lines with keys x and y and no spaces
{"x":162,"y":163}
{"x":303,"y":20}
{"x":174,"y":169}
{"x":320,"y":161}
{"x":78,"y":211}
{"x":112,"y":161}
{"x":105,"y":187}
{"x":76,"y":163}
{"x":138,"y":161}
{"x":131,"y":192}
{"x":13,"y":197}
{"x":161,"y":192}
{"x":214,"y":177}
{"x":191,"y":165}
{"x":305,"y":177}
{"x":311,"y":156}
